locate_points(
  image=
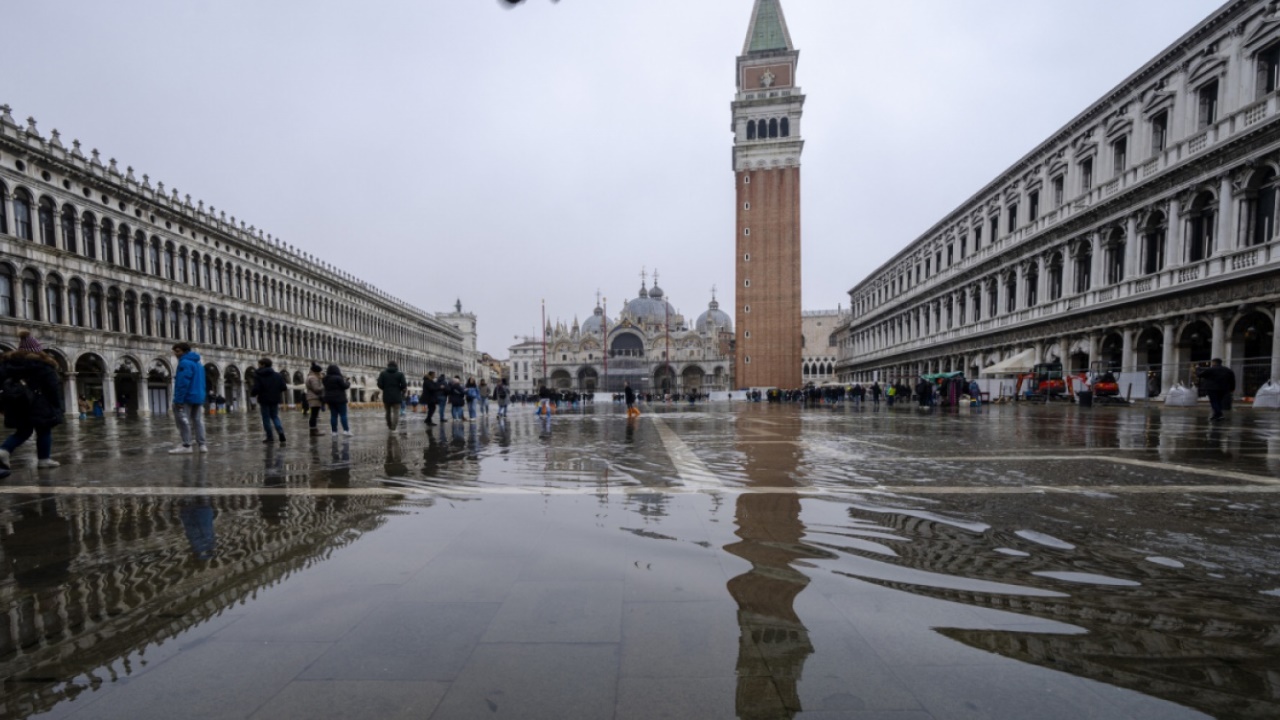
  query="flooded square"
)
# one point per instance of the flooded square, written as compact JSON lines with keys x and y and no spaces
{"x":723,"y":560}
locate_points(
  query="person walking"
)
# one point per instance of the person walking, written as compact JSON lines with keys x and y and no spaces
{"x":31,"y":399}
{"x":483,"y":391}
{"x":188,"y":398}
{"x":442,"y":396}
{"x":315,"y":397}
{"x":473,"y":395}
{"x":269,"y":388}
{"x":503,"y":395}
{"x":629,"y":395}
{"x":544,"y":400}
{"x":924,"y":394}
{"x":393,"y":384}
{"x":1218,"y":382}
{"x":335,"y":396}
{"x":430,"y":391}
{"x":457,"y":398}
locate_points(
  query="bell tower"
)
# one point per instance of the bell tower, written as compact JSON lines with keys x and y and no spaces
{"x":766,"y":167}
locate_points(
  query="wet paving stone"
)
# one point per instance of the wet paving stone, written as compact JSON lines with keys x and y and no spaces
{"x":731,"y":560}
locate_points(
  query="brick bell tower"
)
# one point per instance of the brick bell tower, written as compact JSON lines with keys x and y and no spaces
{"x":766,"y":166}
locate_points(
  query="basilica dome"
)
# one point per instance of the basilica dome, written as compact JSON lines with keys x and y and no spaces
{"x":650,"y":308}
{"x":596,"y":323}
{"x":716,"y":317}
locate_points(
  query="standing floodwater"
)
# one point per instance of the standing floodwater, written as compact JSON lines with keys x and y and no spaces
{"x":746,"y":560}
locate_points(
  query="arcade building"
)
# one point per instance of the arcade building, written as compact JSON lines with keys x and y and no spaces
{"x":1139,"y":238}
{"x":108,"y":270}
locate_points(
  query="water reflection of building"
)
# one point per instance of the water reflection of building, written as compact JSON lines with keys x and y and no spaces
{"x":773,"y":644}
{"x":1170,"y":637}
{"x":88,"y":582}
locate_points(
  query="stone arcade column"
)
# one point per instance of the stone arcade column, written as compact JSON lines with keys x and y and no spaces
{"x":242,"y":403}
{"x":1130,"y":247}
{"x":72,"y":406}
{"x":1020,"y":289}
{"x":108,"y":394}
{"x":1219,"y":337}
{"x":1224,"y":240}
{"x":1167,"y":367}
{"x":1126,"y":350}
{"x":1275,"y":343}
{"x":1173,"y":250}
{"x":1042,"y":279}
{"x":1097,"y":262}
{"x":1068,"y":271}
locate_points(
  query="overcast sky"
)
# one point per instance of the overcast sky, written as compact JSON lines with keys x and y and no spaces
{"x":446,"y":149}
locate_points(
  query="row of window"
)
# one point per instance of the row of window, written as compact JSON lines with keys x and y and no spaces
{"x":818,"y":369}
{"x":120,"y":245}
{"x":771,"y":128}
{"x":1259,"y":210}
{"x":28,"y":297}
{"x":1200,"y":229}
{"x":1203,"y":113}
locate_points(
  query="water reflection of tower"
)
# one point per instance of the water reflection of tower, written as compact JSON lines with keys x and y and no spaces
{"x":773,"y":643}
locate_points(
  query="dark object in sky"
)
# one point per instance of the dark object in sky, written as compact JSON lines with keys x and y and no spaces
{"x":513,"y":3}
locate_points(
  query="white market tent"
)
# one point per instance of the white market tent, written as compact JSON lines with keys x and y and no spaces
{"x":1023,"y":362}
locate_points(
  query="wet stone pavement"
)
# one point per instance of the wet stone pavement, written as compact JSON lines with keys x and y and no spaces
{"x":723,"y":561}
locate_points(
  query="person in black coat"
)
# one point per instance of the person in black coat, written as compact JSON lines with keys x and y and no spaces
{"x":442,"y":395}
{"x":430,"y":388}
{"x":335,"y":396}
{"x":270,"y":388}
{"x":34,"y":376}
{"x":1218,"y":382}
{"x":457,"y":398}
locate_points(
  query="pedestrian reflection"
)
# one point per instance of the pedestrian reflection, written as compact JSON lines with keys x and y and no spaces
{"x":434,"y":455}
{"x":339,"y":473}
{"x":394,"y":466}
{"x":473,"y":446}
{"x":196,"y":510}
{"x":273,"y":502}
{"x":38,"y":546}
{"x":773,"y":643}
{"x":504,"y":432}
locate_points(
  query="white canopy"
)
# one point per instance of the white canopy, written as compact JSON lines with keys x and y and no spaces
{"x":1023,"y":362}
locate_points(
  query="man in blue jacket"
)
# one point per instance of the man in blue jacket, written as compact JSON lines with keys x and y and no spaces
{"x":188,"y":398}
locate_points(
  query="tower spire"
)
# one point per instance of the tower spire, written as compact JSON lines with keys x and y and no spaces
{"x":768,"y":29}
{"x":767,"y":146}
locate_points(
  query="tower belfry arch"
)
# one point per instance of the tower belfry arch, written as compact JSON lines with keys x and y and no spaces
{"x":766,"y":163}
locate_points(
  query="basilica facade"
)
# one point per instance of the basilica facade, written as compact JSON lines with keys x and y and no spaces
{"x":1141,"y":237}
{"x":649,"y":345}
{"x":108,"y":270}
